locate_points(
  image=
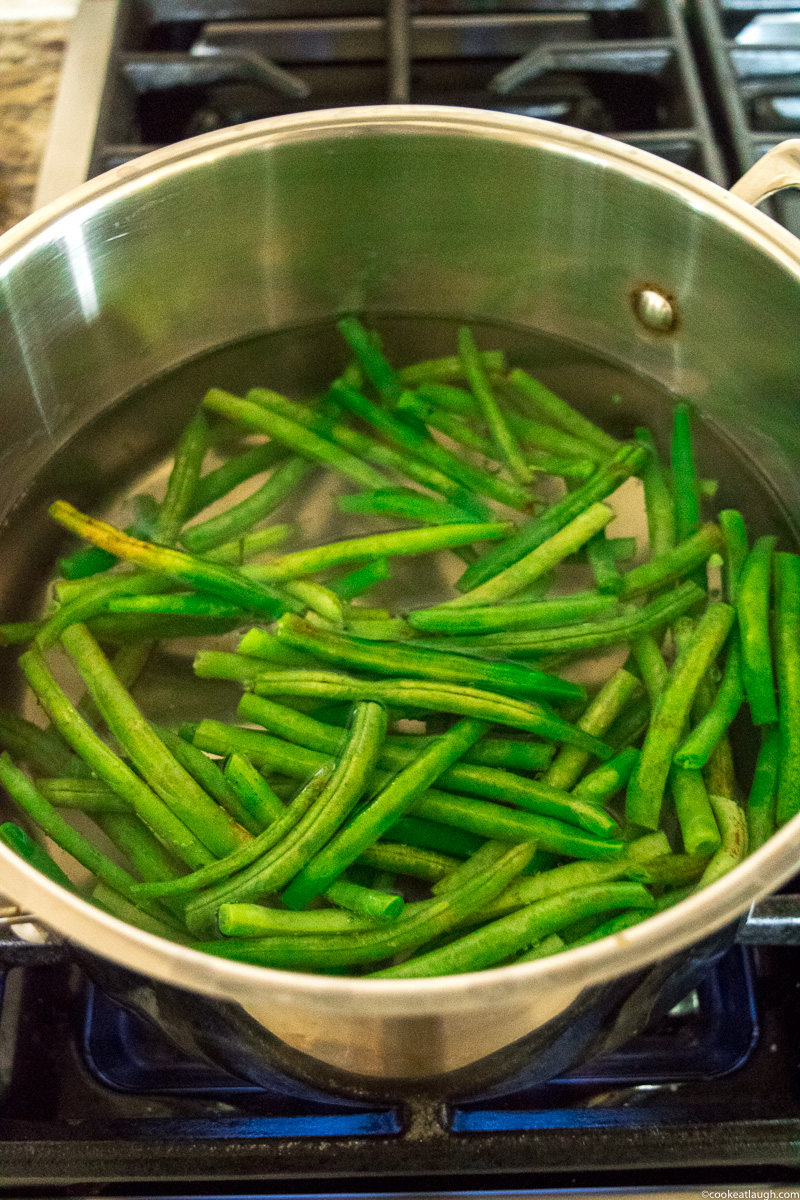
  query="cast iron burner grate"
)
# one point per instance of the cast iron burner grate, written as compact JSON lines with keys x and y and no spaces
{"x":751,"y":52}
{"x":165,"y":70}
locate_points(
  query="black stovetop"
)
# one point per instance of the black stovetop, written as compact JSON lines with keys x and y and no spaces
{"x":90,"y":1094}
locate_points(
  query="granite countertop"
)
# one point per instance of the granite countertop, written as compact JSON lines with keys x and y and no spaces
{"x":31,"y":53}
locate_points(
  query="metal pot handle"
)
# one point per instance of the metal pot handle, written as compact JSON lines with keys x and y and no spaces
{"x":779,"y":168}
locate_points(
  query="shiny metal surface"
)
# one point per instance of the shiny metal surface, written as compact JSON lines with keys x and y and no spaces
{"x":286,"y":222}
{"x":778,"y":169}
{"x":655,"y":311}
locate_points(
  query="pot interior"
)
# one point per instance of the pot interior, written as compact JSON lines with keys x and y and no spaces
{"x":125,"y":451}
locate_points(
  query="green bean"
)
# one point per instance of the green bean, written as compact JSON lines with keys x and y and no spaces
{"x":672,"y":897}
{"x":429,"y":835}
{"x":361,"y":446}
{"x":602,"y":784}
{"x":562,"y":414}
{"x":251,"y":545}
{"x":404,"y":503}
{"x":476,"y":816}
{"x":221,"y":481}
{"x":572,"y":875}
{"x":377,"y":545}
{"x":112,"y":902}
{"x":214,"y":578}
{"x":108,"y":767}
{"x":31,"y":852}
{"x":444,"y":370}
{"x":646,"y":786}
{"x":652,"y":667}
{"x":445,"y":396}
{"x":319,"y":599}
{"x":418,"y":862}
{"x":543,"y":949}
{"x":539,"y":561}
{"x":266,"y":646}
{"x":94,"y":561}
{"x":245,"y":856}
{"x":145,"y":853}
{"x":616,"y":692}
{"x":373,"y":362}
{"x":20,"y":788}
{"x":657,"y":499}
{"x":410,"y":404}
{"x":407,"y":660}
{"x":203,"y":816}
{"x":392,"y":802}
{"x":239,"y":519}
{"x":684,"y":475}
{"x":630,"y":625}
{"x":626,"y":462}
{"x":395,"y":629}
{"x":183,"y":479}
{"x":671,"y":870}
{"x":503,"y":438}
{"x":505,"y":825}
{"x":752,"y":608}
{"x":418,"y":925}
{"x":485,"y":856}
{"x":787,"y":662}
{"x":129,"y":629}
{"x":86,"y":795}
{"x":366,"y":902}
{"x":491,"y":752}
{"x":719,"y":775}
{"x":298,"y":438}
{"x":733,"y":827}
{"x":453,"y":698}
{"x":211,"y":779}
{"x":171,"y":602}
{"x":734,"y":534}
{"x":19,"y":631}
{"x":674,"y":564}
{"x":42,"y":749}
{"x":538,"y":614}
{"x":254,"y":920}
{"x":411,"y":440}
{"x":555,"y":441}
{"x":698,"y":827}
{"x":699,"y":745}
{"x":600,"y":554}
{"x":355,"y":583}
{"x":461,"y":777}
{"x":253,"y":790}
{"x":506,"y":936}
{"x":277,"y":868}
{"x":93,"y":598}
{"x":218,"y":664}
{"x":762,"y":802}
{"x":623,"y":920}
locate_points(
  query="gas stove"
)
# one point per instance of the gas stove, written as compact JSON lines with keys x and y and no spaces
{"x":95,"y":1101}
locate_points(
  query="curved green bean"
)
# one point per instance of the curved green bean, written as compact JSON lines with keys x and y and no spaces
{"x":752,"y":609}
{"x":240,"y":518}
{"x":507,"y":936}
{"x":646,"y":787}
{"x":390,"y":804}
{"x":674,"y":564}
{"x":238,"y":468}
{"x":504,"y":440}
{"x":699,"y":745}
{"x":733,"y":828}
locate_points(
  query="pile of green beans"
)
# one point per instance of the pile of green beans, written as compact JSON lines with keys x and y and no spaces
{"x":408,"y":792}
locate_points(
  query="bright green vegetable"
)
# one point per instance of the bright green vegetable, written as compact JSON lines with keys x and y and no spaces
{"x":699,"y":745}
{"x":752,"y":610}
{"x":538,"y":614}
{"x":254,"y":920}
{"x":657,"y":499}
{"x":762,"y":804}
{"x":183,"y":479}
{"x":253,"y":791}
{"x":733,"y":828}
{"x":239,"y":519}
{"x":674,"y":564}
{"x":183,"y":796}
{"x":686,"y":496}
{"x":626,"y":462}
{"x":367,"y":902}
{"x":698,"y":825}
{"x":508,"y":935}
{"x":646,"y":787}
{"x":504,"y":440}
{"x":615,"y":694}
{"x":562,"y":414}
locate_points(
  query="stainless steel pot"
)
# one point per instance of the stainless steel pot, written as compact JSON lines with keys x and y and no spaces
{"x":422,"y":211}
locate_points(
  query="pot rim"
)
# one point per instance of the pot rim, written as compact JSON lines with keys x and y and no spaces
{"x":629,"y":950}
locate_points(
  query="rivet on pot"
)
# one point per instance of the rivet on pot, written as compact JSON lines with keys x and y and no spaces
{"x":656,"y":311}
